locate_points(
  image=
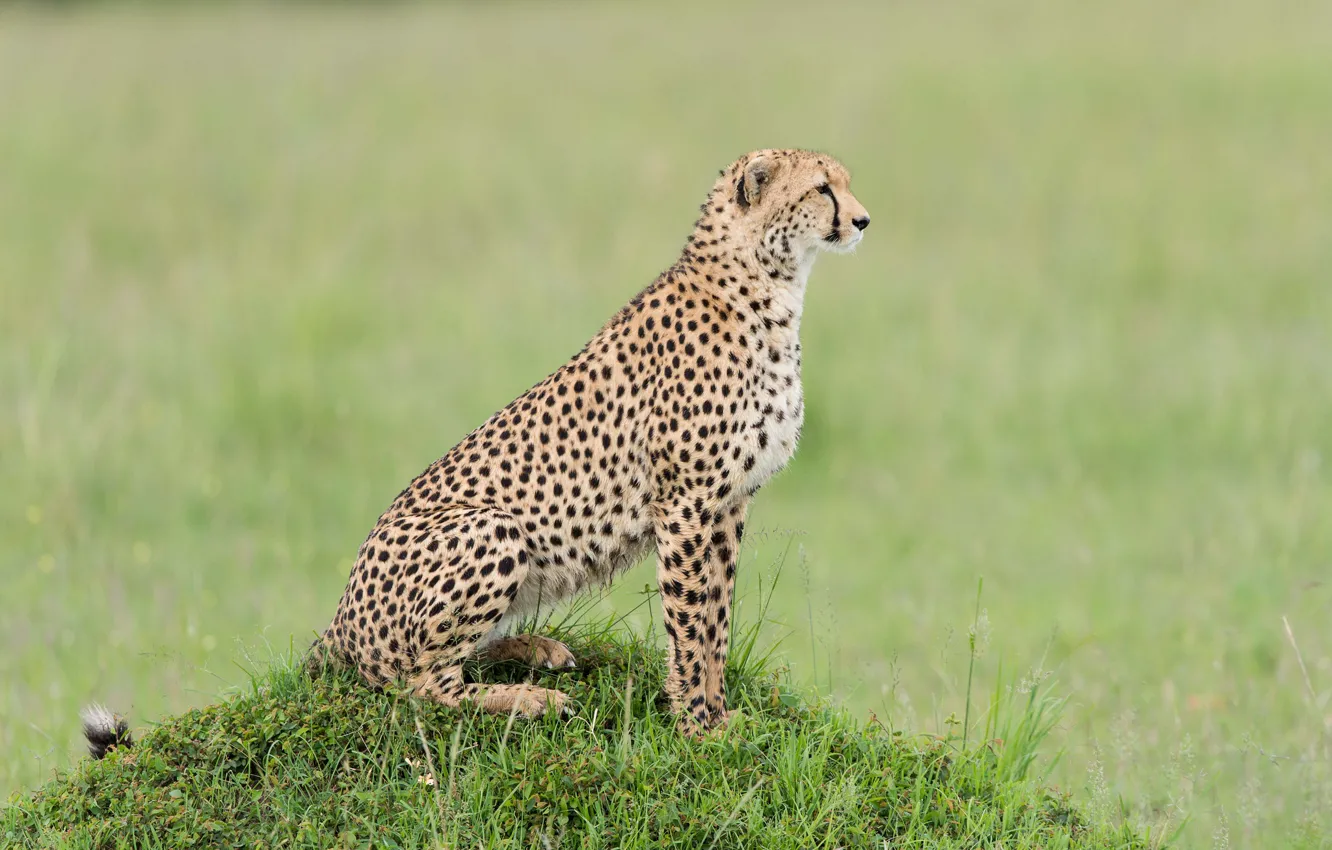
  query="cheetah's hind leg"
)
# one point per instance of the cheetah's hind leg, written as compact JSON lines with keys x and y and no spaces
{"x":532,"y":650}
{"x":439,"y":677}
{"x":475,"y":588}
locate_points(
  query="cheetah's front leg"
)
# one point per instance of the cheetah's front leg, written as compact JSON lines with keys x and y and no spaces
{"x":724,"y":553}
{"x":695,"y":588}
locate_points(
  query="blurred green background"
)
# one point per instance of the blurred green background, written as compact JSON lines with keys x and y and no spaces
{"x":260,"y":265}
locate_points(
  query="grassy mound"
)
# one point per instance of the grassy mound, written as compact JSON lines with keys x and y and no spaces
{"x":324,"y":762}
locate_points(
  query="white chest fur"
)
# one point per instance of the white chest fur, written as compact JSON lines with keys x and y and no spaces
{"x":776,"y":407}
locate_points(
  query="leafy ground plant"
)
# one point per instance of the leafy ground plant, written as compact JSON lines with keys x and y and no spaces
{"x":301,"y":761}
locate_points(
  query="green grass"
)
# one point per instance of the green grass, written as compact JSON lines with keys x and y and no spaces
{"x":295,"y":762}
{"x":259,"y":266}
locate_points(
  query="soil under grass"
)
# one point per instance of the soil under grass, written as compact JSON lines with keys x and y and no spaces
{"x":295,"y":761}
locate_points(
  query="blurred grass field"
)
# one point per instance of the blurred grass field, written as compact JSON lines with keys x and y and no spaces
{"x":260,"y":265}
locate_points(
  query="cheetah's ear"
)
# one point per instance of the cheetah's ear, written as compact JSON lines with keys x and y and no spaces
{"x":758,"y":174}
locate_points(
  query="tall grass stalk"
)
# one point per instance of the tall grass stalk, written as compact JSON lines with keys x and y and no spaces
{"x":971,"y":661}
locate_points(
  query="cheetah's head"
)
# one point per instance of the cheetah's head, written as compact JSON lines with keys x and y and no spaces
{"x":796,"y":202}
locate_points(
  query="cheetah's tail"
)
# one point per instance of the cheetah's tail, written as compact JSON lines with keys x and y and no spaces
{"x":105,"y":731}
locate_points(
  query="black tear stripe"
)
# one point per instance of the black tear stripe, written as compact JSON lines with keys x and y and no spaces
{"x":836,"y":235}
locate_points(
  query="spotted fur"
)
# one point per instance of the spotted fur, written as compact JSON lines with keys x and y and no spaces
{"x":656,"y":435}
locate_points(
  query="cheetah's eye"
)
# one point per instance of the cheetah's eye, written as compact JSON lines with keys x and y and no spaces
{"x":825,"y":189}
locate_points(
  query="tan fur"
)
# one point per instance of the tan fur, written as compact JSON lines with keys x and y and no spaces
{"x":656,"y":434}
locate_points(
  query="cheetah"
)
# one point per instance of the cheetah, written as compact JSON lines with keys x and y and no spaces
{"x":656,"y":434}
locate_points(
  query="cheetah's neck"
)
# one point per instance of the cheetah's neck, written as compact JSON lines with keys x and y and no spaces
{"x":769,"y":280}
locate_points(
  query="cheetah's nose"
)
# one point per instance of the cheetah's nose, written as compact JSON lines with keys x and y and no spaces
{"x":861,"y":223}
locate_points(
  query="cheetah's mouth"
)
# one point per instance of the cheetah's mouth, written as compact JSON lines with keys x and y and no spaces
{"x":835,"y":240}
